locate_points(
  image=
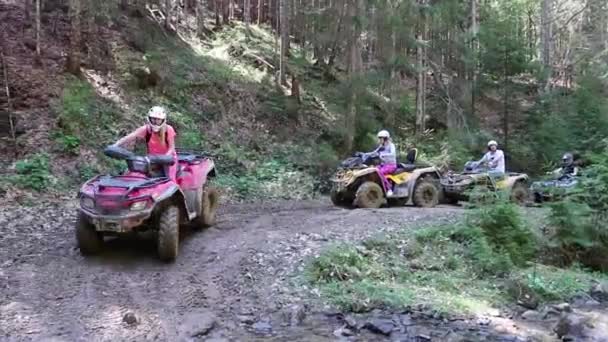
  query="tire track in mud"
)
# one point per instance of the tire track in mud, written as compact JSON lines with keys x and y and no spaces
{"x":242,"y":266}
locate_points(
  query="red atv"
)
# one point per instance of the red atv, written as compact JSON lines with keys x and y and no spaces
{"x":144,"y":198}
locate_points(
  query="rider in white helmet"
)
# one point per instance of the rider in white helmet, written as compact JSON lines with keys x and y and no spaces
{"x":158,"y":135}
{"x":494,"y":158}
{"x":388,"y":156}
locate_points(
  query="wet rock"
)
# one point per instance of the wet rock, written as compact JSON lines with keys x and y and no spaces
{"x":600,"y":292}
{"x":550,"y":312}
{"x":423,"y":338}
{"x":262,"y":328}
{"x":197,"y":324}
{"x":294,"y":315}
{"x":380,"y":326}
{"x":572,"y":324}
{"x":483,"y":321}
{"x":246,"y":319}
{"x":563,"y":307}
{"x":129,"y":318}
{"x":351,"y":322}
{"x":592,"y":303}
{"x":343,"y":331}
{"x":530,"y":315}
{"x":405,"y":320}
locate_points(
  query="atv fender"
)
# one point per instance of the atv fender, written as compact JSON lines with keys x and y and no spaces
{"x":511,"y":179}
{"x":175,"y":194}
{"x":365,"y":173}
{"x":417,"y":174}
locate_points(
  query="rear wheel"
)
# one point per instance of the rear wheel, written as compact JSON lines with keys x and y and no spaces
{"x":369,"y":195}
{"x":168,"y":233}
{"x":426,"y":193}
{"x":519,"y":193}
{"x":89,"y":240}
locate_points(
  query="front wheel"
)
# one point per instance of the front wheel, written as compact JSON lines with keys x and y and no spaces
{"x":426,"y":194}
{"x":519,"y":193}
{"x":369,"y":195}
{"x":338,"y":199}
{"x":168,"y":233}
{"x":209,"y":203}
{"x":88,"y":239}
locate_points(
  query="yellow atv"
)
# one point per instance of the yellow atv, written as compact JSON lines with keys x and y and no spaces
{"x":358,"y":183}
{"x":457,"y":186}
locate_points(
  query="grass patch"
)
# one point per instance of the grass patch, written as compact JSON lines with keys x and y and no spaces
{"x":464,"y":268}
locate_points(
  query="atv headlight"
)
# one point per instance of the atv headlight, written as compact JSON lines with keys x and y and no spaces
{"x":87,"y":203}
{"x":138,"y":206}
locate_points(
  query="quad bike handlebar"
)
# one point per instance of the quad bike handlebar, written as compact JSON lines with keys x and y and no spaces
{"x":117,"y":152}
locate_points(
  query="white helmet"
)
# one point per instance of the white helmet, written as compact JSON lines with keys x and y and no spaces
{"x":492,"y":142}
{"x":384,"y":134}
{"x":157,"y":113}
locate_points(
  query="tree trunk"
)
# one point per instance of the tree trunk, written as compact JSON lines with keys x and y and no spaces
{"x":216,"y":9}
{"x":260,"y":11}
{"x":225,"y":11}
{"x":27,"y":4}
{"x":475,"y":49}
{"x":545,"y":38}
{"x":421,"y":84}
{"x":295,"y":88}
{"x":38,"y":56}
{"x":247,"y":10}
{"x":284,"y":13}
{"x":168,"y":4}
{"x":73,"y":60}
{"x":200,"y":18}
{"x":354,"y":70}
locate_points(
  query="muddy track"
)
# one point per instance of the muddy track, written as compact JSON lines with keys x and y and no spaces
{"x":241,"y":267}
{"x":237,"y":281}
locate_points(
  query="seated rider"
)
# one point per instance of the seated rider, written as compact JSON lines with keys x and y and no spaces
{"x":388,"y":157}
{"x":568,"y":167}
{"x":494,"y":159}
{"x":159,"y":136}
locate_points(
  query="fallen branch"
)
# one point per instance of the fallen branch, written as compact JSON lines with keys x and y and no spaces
{"x":259,"y":59}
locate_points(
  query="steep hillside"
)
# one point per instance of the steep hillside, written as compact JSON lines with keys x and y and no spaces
{"x":221,"y":93}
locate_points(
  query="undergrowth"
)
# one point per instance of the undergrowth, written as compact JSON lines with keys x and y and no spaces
{"x":463,"y":268}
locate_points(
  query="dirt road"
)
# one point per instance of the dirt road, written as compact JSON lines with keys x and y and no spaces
{"x":237,"y":281}
{"x":235,"y":276}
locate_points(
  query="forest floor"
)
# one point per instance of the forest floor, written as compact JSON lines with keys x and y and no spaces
{"x":238,"y":281}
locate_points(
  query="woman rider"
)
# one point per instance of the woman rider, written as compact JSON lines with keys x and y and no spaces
{"x":159,"y":136}
{"x":388,"y":157}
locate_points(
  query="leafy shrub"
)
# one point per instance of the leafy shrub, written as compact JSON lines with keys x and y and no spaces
{"x":33,"y":173}
{"x":579,"y":220}
{"x":338,"y":264}
{"x":68,"y":143}
{"x":506,"y":232}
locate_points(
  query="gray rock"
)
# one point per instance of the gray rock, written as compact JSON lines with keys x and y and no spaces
{"x":563,"y":307}
{"x":262,"y":328}
{"x":294,"y":315}
{"x":129,"y":318}
{"x":484,"y":321}
{"x":380,"y":326}
{"x":530,"y":315}
{"x":571,"y":325}
{"x":197,"y":324}
{"x":343,"y":331}
{"x":600,"y":292}
{"x":592,"y":303}
{"x":351,"y":322}
{"x":246,"y":319}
